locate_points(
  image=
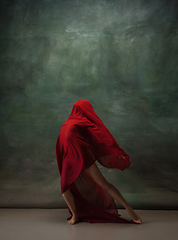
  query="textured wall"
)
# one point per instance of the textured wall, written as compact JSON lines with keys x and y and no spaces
{"x":120,"y":55}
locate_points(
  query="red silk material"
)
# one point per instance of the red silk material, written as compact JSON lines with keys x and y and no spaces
{"x":84,"y":139}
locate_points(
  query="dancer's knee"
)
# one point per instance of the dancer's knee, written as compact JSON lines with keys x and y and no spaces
{"x":106,"y":185}
{"x":67,"y":192}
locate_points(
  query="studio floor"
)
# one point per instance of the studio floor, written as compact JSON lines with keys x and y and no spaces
{"x":51,"y":224}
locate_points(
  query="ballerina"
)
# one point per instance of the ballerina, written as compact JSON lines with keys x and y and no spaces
{"x":82,"y":141}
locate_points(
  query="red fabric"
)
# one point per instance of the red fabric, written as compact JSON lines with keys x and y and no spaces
{"x":83,"y":139}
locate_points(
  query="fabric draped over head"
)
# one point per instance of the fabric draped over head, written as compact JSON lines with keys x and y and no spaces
{"x":83,"y":109}
{"x":84,"y":139}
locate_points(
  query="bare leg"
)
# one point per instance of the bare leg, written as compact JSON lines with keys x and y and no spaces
{"x":69,"y":198}
{"x":96,"y":175}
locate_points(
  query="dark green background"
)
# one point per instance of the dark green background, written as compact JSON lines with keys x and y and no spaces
{"x":122,"y":56}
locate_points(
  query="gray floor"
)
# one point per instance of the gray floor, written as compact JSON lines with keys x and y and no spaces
{"x":49,"y":224}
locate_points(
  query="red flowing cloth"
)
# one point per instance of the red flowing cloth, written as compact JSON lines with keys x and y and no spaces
{"x":84,"y":139}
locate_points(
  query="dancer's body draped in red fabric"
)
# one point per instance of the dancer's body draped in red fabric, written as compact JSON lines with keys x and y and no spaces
{"x":84,"y":139}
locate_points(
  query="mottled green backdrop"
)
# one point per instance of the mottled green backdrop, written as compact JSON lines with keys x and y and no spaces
{"x":120,"y":55}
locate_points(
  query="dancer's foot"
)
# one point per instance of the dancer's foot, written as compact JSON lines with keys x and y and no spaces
{"x":134,"y":215}
{"x":73,"y":220}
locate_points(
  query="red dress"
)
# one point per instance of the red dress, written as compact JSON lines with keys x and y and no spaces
{"x":83,"y":139}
